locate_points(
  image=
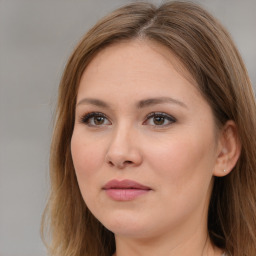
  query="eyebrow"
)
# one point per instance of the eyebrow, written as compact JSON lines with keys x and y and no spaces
{"x":95,"y":102}
{"x":160,"y":100}
{"x":140,"y":104}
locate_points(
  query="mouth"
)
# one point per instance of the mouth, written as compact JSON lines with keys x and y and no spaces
{"x":125,"y":190}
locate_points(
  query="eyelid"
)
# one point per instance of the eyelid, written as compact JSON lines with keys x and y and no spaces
{"x":161,"y":114}
{"x":86,"y":117}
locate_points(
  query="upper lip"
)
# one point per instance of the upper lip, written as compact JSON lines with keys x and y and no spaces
{"x":125,"y":184}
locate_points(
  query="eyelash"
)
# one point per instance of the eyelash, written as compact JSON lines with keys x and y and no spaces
{"x":167,"y":117}
{"x":86,"y":118}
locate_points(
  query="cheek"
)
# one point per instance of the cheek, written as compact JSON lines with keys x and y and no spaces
{"x":183,"y":159}
{"x":87,"y":156}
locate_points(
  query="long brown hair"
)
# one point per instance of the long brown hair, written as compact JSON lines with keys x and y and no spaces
{"x":208,"y":53}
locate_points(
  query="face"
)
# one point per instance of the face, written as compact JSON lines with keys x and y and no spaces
{"x":144,"y":142}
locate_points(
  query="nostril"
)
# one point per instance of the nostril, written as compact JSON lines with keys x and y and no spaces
{"x":120,"y":164}
{"x":110,"y":163}
{"x":128,"y":162}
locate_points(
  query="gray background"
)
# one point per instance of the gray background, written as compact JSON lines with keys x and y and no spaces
{"x":36,"y":38}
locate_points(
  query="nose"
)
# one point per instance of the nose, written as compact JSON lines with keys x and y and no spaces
{"x":123,"y":150}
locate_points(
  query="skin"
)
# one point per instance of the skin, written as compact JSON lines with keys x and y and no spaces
{"x":176,"y":159}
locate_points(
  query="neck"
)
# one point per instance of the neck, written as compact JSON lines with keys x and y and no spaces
{"x":196,"y":243}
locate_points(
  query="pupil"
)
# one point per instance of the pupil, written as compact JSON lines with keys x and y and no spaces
{"x":98,"y":120}
{"x":158,"y":120}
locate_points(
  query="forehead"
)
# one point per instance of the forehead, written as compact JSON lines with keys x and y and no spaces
{"x":134,"y":60}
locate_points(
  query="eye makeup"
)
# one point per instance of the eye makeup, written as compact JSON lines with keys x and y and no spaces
{"x":159,"y":119}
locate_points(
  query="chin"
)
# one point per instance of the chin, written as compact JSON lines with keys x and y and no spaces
{"x":129,"y":232}
{"x":127,"y":225}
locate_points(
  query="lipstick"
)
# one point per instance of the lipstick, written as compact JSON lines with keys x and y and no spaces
{"x":125,"y":190}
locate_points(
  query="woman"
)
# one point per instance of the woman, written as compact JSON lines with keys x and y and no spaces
{"x":154,"y":145}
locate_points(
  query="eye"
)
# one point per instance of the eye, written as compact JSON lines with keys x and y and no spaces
{"x":95,"y":119}
{"x":159,"y":119}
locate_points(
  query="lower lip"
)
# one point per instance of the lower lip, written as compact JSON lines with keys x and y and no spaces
{"x":125,"y":194}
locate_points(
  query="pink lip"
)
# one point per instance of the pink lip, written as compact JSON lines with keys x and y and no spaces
{"x":125,"y":190}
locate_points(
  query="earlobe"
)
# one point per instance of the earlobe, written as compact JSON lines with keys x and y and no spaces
{"x":229,"y":149}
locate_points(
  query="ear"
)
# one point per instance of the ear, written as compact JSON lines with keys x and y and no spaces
{"x":228,"y":150}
